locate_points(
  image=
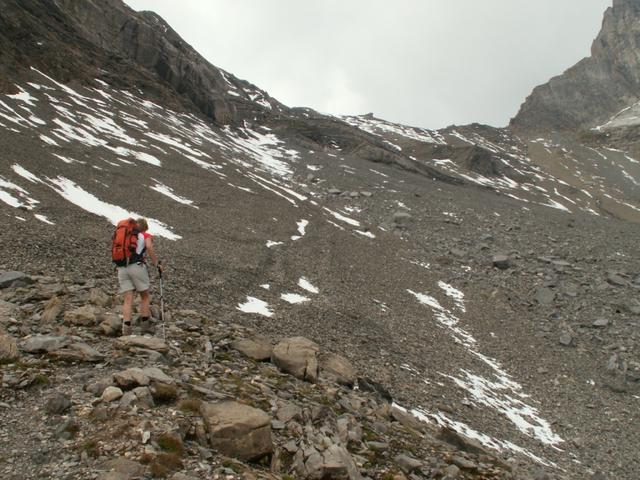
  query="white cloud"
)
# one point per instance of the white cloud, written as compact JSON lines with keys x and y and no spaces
{"x":421,"y":62}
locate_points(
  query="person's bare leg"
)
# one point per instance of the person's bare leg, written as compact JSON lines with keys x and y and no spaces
{"x":145,"y":301}
{"x":127,"y":308}
{"x":145,"y":312}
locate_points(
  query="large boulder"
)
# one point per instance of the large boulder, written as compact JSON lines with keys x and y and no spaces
{"x":238,"y":430}
{"x":297,"y":356}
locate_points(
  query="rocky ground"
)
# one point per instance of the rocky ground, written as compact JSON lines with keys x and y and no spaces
{"x":214,"y":401}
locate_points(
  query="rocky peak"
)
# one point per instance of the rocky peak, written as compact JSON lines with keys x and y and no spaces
{"x":596,"y":88}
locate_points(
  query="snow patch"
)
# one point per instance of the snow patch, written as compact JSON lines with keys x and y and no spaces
{"x":306,"y":285}
{"x":255,"y":305}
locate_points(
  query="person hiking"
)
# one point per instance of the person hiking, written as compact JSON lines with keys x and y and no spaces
{"x":133,"y":274}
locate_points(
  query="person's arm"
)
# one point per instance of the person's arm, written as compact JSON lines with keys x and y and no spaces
{"x":148,"y":243}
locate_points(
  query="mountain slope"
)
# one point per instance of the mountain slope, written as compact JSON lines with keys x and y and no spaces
{"x":395,"y":228}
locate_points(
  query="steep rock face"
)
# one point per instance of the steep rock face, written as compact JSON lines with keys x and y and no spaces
{"x":149,"y":41}
{"x":79,"y":41}
{"x":596,"y":88}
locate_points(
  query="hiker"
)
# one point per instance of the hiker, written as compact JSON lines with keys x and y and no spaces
{"x":131,"y":245}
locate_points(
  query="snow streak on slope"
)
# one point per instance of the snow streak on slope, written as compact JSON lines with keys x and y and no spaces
{"x":89,"y":202}
{"x":379,"y":127}
{"x":500,"y":391}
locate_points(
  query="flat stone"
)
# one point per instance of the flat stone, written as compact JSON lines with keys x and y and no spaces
{"x":148,"y":343}
{"x":157,"y":375}
{"x":406,"y":463}
{"x":463,"y":463}
{"x":601,"y":322}
{"x":77,"y":351}
{"x":545,"y":296}
{"x":238,"y":430}
{"x":257,"y":348}
{"x":44,"y":343}
{"x":8,"y":278}
{"x":297,"y":356}
{"x":615,"y":278}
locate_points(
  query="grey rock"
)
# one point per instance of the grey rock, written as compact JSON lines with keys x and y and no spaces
{"x":501,"y":262}
{"x":338,"y":369}
{"x":111,"y":393}
{"x":98,"y":298}
{"x":156,"y":375}
{"x":131,"y":378}
{"x":566,"y":339}
{"x":600,"y":322}
{"x":334,"y":191}
{"x":83,"y":316}
{"x":402,"y":219}
{"x":57,"y":403}
{"x":238,"y":430}
{"x":617,"y":279}
{"x":111,"y":325}
{"x":452,"y":472}
{"x":297,"y":356}
{"x":9,"y":278}
{"x":257,"y":348}
{"x":545,"y":296}
{"x":464,"y":463}
{"x":147,"y":343}
{"x":123,"y":466}
{"x":406,"y":463}
{"x":288,"y":411}
{"x":44,"y":343}
{"x":77,"y":351}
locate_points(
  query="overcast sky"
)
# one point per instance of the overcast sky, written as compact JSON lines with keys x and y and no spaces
{"x":428,"y":63}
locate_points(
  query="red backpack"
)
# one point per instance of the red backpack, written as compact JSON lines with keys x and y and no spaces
{"x":125,"y":242}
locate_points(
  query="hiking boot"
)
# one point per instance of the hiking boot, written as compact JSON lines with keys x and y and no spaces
{"x":126,"y":329}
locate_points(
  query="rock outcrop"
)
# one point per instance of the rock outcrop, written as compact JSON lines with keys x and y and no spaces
{"x":598,"y":87}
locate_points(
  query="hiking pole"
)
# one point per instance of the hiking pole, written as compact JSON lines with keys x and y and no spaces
{"x":164,"y":335}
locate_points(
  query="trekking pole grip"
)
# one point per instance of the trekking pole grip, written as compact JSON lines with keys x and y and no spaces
{"x":160,"y":268}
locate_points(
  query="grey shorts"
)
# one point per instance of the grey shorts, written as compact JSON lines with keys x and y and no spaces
{"x":133,"y":277}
